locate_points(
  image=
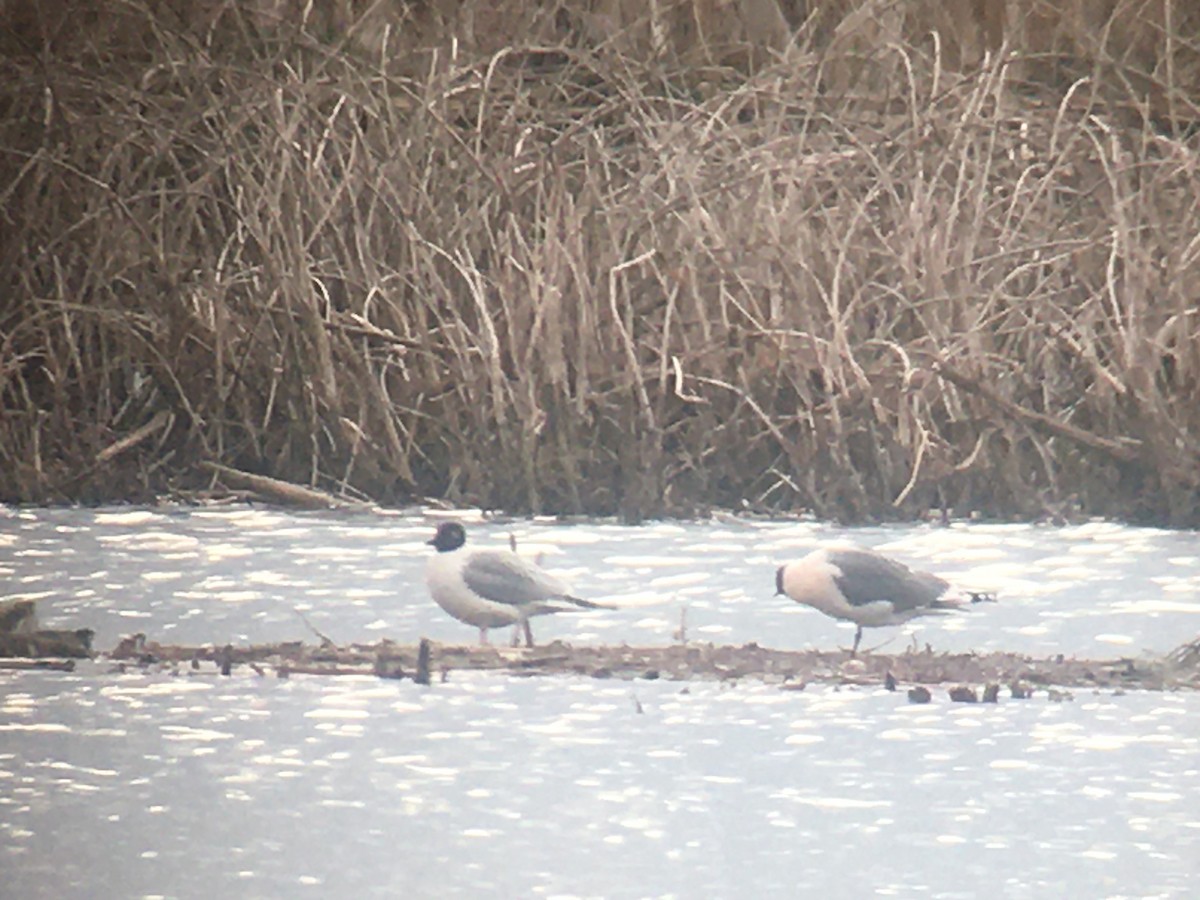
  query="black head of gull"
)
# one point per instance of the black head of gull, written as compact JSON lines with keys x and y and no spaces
{"x":867,"y":588}
{"x":449,"y":536}
{"x":493,"y":588}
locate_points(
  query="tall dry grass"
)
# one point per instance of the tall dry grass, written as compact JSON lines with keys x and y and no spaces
{"x":568,"y":277}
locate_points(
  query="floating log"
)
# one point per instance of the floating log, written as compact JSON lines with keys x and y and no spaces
{"x":430,"y":661}
{"x":21,"y":637}
{"x":47,"y":643}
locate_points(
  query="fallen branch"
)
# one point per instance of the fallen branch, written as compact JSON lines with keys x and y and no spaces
{"x":1124,"y":449}
{"x":135,"y":437}
{"x":283,"y":492}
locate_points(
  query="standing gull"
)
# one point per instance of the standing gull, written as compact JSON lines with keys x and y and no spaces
{"x":493,"y":588}
{"x":866,"y":588}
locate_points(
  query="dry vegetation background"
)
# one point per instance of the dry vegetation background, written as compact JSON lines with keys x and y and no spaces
{"x":861,"y":258}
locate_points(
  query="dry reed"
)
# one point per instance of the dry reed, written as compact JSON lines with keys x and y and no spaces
{"x":558,"y":278}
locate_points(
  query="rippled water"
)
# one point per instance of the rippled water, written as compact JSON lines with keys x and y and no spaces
{"x":220,"y":575}
{"x":488,"y":785}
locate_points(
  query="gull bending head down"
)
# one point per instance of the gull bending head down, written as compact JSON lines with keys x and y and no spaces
{"x":867,"y":588}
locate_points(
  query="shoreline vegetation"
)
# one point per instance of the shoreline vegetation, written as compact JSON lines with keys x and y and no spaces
{"x":862,"y":259}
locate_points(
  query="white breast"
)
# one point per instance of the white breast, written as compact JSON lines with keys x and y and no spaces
{"x":443,"y":575}
{"x":810,"y":581}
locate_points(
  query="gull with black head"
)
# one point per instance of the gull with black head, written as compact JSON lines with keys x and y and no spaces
{"x":493,"y":588}
{"x":872,"y":590}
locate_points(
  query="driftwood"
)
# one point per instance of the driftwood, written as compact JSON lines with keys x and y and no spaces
{"x":1124,"y":449}
{"x":47,"y":643}
{"x":282,"y":492}
{"x":160,"y":419}
{"x":21,"y":637}
{"x":429,"y":662}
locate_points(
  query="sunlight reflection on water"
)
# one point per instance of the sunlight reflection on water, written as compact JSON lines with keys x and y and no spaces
{"x":1079,"y":590}
{"x":364,"y":787}
{"x":135,"y":784}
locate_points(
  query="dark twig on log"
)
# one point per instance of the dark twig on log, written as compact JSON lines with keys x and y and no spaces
{"x":423,"y":653}
{"x":326,"y":641}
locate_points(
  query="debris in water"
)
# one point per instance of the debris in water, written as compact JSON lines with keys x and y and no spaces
{"x":790,"y":669}
{"x":424,"y":651}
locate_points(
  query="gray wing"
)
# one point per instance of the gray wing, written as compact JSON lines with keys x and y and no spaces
{"x":506,"y":578}
{"x":867,"y":577}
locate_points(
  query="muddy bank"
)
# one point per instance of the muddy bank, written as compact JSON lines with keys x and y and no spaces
{"x":790,"y":669}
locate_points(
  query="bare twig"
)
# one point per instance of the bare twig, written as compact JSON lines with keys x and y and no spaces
{"x":1125,"y":448}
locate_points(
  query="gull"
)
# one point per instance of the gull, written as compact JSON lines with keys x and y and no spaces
{"x":868,"y":589}
{"x":493,"y":588}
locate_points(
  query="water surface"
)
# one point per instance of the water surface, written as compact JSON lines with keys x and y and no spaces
{"x":191,"y":576}
{"x":147,"y":784}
